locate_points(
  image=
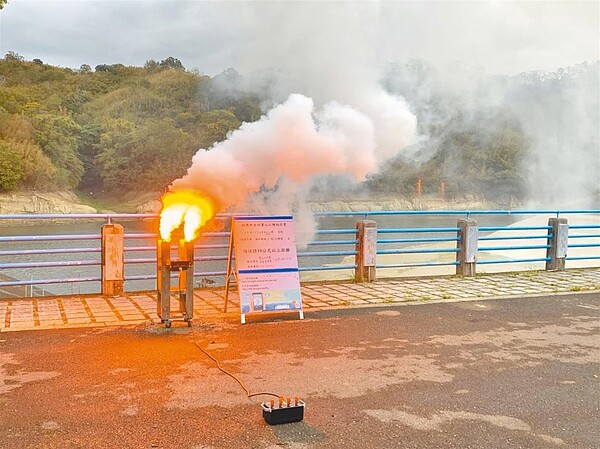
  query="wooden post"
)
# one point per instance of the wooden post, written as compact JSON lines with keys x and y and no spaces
{"x":558,"y":238}
{"x":366,"y":250}
{"x":113,"y":259}
{"x":467,"y":247}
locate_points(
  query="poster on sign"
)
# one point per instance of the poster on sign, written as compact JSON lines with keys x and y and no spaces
{"x":266,"y":264}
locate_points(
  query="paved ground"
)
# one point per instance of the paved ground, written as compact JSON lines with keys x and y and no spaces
{"x":97,"y":311}
{"x":497,"y":373}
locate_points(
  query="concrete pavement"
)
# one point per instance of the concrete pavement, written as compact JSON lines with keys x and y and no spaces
{"x":500,"y":373}
{"x":132,"y":308}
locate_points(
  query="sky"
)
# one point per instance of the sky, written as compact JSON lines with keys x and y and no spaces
{"x":495,"y":37}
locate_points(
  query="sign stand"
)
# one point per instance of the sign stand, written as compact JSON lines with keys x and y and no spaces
{"x":266,"y":265}
{"x":229,"y":267}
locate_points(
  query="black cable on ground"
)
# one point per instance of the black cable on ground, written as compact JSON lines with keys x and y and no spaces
{"x":233,"y":376}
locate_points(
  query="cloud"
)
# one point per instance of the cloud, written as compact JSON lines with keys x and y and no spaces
{"x":501,"y":37}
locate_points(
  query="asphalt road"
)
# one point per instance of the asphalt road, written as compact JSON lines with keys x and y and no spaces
{"x":510,"y":373}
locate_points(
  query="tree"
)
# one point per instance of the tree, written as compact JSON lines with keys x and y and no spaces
{"x":2,"y":3}
{"x":13,"y":57}
{"x":85,"y":68}
{"x":57,"y":134}
{"x":172,"y":63}
{"x":215,"y":126}
{"x":88,"y":150}
{"x":104,"y":68}
{"x":11,"y":167}
{"x":38,"y":170}
{"x":115,"y":163}
{"x":151,"y":65}
{"x":163,"y":152}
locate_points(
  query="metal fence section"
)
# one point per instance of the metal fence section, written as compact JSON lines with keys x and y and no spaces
{"x":46,"y":257}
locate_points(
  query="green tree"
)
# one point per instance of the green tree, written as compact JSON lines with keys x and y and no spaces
{"x":164,"y":152}
{"x":115,"y":162}
{"x":57,"y":134}
{"x":215,"y":125}
{"x":11,"y":167}
{"x":88,"y":150}
{"x":38,"y":170}
{"x":172,"y":63}
{"x":151,"y":65}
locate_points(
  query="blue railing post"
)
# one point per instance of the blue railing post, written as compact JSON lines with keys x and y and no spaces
{"x":558,"y":240}
{"x":366,"y":250}
{"x":113,"y":259}
{"x":466,"y":256}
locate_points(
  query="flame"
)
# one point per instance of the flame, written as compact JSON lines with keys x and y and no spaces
{"x":187,"y":207}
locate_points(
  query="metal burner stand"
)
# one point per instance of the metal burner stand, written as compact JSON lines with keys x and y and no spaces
{"x":184,"y":291}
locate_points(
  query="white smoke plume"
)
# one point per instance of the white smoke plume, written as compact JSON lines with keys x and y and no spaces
{"x":285,"y":149}
{"x":291,"y":141}
{"x":340,"y":121}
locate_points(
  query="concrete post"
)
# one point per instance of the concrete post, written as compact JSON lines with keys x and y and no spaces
{"x":558,"y":239}
{"x":467,"y":247}
{"x":366,"y":250}
{"x":113,"y":259}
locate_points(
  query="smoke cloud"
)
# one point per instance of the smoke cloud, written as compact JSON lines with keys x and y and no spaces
{"x":558,"y":114}
{"x":281,"y":153}
{"x":340,"y":121}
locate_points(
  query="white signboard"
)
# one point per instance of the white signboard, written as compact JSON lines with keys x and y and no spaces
{"x":267,"y":264}
{"x":471,"y":249}
{"x":562,"y":240}
{"x":370,"y":248}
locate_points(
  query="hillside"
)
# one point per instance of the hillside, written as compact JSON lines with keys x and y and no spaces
{"x":114,"y":130}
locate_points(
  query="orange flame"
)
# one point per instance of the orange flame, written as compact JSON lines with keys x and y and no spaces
{"x":187,"y":207}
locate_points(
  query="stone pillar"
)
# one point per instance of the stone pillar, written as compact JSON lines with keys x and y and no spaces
{"x":113,"y":259}
{"x":467,"y":247}
{"x":366,"y":250}
{"x":558,"y":239}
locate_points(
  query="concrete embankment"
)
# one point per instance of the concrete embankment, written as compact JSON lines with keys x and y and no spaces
{"x":43,"y":203}
{"x":67,"y":202}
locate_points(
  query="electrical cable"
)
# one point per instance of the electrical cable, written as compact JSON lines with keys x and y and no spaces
{"x":233,"y":376}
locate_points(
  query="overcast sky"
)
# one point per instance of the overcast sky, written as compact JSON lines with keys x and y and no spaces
{"x":498,"y":37}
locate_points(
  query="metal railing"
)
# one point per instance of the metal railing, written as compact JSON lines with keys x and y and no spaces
{"x":32,"y":258}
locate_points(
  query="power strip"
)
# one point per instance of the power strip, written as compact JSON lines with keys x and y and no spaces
{"x":283,"y":412}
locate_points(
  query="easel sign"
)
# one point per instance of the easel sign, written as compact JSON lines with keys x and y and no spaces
{"x":266,"y":265}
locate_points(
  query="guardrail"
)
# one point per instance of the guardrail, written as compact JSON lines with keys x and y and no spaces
{"x":32,"y":258}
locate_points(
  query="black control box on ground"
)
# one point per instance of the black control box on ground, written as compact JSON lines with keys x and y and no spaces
{"x":284,"y":413}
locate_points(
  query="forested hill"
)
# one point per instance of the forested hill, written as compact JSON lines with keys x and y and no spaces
{"x":112,"y":128}
{"x":118,"y":129}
